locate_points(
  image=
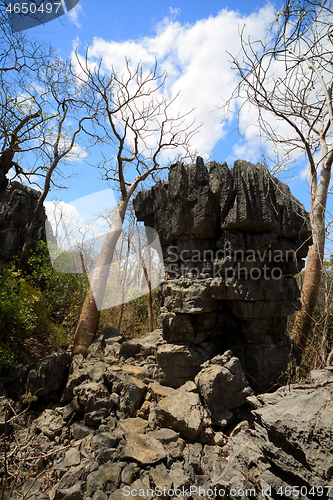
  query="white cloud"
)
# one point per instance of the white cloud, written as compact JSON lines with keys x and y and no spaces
{"x":174,"y":12}
{"x":77,"y":153}
{"x":64,"y":219}
{"x":80,"y":232}
{"x":78,"y":221}
{"x":305,"y":173}
{"x":197,"y":62}
{"x":73,"y":15}
{"x":292,"y":90}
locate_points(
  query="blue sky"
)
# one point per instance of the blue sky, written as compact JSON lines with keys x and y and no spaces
{"x":120,"y":21}
{"x":191,"y":38}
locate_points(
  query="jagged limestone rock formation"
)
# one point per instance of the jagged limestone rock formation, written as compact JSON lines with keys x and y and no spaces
{"x":232,"y":241}
{"x":17,"y":205}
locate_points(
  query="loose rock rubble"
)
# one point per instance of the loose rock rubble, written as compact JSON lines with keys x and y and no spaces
{"x":117,"y":432}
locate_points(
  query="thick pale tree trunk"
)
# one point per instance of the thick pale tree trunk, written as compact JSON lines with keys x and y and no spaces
{"x":314,"y":265}
{"x":90,"y":314}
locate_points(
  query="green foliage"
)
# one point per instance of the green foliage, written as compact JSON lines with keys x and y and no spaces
{"x":17,"y":314}
{"x":24,"y":315}
{"x":7,"y":356}
{"x":40,"y":308}
{"x":64,"y":292}
{"x":135,"y":316}
{"x":34,"y":306}
{"x":328,"y":264}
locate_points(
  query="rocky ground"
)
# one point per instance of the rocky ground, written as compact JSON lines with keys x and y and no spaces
{"x":105,"y":428}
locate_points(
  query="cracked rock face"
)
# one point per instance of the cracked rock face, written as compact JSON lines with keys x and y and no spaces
{"x":232,"y":241}
{"x":17,"y":205}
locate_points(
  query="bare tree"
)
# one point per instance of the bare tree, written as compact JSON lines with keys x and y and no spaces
{"x":66,"y":104}
{"x":147,"y":279}
{"x":138,"y":120}
{"x":74,"y":237}
{"x":19,"y":52}
{"x":21,"y":61}
{"x":288,"y":78}
{"x":136,"y":267}
{"x":41,"y":114}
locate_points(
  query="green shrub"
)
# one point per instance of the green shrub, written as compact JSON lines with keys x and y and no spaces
{"x":64,"y":292}
{"x":40,"y":307}
{"x":25,"y":315}
{"x":17,"y":315}
{"x":43,"y":324}
{"x":7,"y":356}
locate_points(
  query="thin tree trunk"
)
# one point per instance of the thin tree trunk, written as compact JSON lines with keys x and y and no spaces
{"x":146,"y":275}
{"x":80,"y":278}
{"x":29,"y":239}
{"x":33,"y":224}
{"x":123,"y":283}
{"x":120,"y":320}
{"x":323,"y":346}
{"x":150,"y":301}
{"x":90,"y":314}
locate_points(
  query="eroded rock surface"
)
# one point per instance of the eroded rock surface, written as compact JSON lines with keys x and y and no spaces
{"x":232,"y":240}
{"x":288,"y":445}
{"x":171,"y":438}
{"x":17,"y":205}
{"x":223,"y":386}
{"x":174,"y":413}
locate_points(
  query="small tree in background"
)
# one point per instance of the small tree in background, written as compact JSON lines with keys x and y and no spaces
{"x":288,"y":78}
{"x":135,"y":264}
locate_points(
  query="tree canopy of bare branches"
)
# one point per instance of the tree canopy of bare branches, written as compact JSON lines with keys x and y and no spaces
{"x":287,"y":78}
{"x":65,"y":118}
{"x":42,"y":112}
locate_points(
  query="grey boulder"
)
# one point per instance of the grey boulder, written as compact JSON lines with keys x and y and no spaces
{"x":223,"y":386}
